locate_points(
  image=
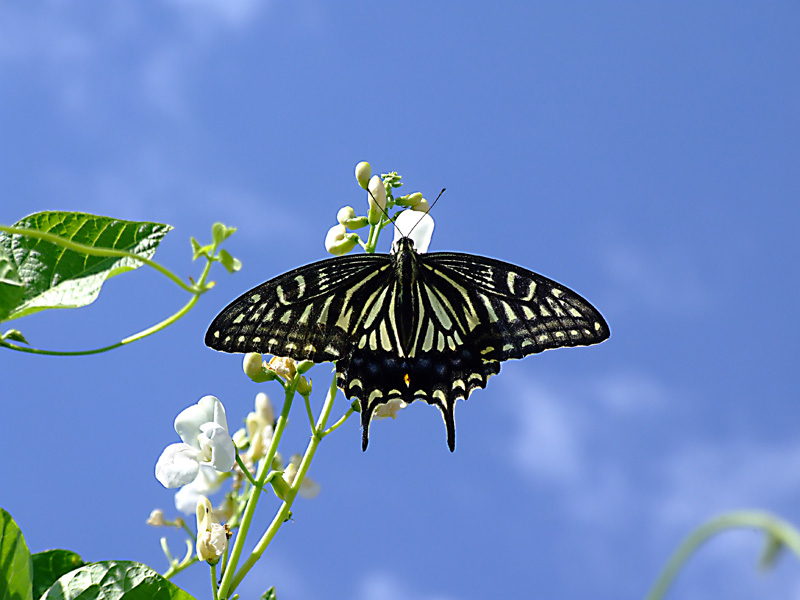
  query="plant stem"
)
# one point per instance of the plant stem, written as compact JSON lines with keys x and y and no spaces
{"x":782,"y":531}
{"x":196,"y":292}
{"x":338,"y":423}
{"x":283,"y":512}
{"x":214,"y":581}
{"x":263,"y":470}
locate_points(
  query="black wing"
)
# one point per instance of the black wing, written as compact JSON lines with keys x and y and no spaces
{"x":510,"y":312}
{"x":309,"y":313}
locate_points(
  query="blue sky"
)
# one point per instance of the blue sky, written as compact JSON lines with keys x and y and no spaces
{"x":644,"y":154}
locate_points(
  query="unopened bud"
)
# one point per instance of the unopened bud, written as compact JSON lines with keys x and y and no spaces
{"x":303,"y":386}
{"x":264,"y":408}
{"x":409,"y":200}
{"x":253,"y":367}
{"x":156,"y":519}
{"x":338,"y":241}
{"x":376,"y":196}
{"x":422,"y":206}
{"x":363,"y":172}
{"x":345,"y":214}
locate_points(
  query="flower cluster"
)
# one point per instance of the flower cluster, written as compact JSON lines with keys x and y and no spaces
{"x":412,"y":220}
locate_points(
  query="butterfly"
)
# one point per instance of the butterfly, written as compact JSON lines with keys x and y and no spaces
{"x":407,"y":325}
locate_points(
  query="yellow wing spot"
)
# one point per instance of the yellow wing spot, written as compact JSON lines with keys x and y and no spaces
{"x":575,"y":312}
{"x":241,"y":339}
{"x":529,"y":314}
{"x":508,"y":347}
{"x":257,"y":339}
{"x":363,"y":341}
{"x":286,"y":317}
{"x":439,"y":395}
{"x":239,"y":318}
{"x":557,"y":293}
{"x":510,"y":314}
{"x":255,"y":298}
{"x":407,"y":379}
{"x":440,"y":342}
{"x":487,"y":350}
{"x":216,"y":334}
{"x":373,"y":341}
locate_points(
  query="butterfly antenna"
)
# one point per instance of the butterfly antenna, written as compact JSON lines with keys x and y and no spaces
{"x":427,"y":211}
{"x":383,"y":210}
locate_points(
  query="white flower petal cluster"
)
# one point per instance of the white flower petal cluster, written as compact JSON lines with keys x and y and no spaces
{"x":212,"y":538}
{"x":417,"y":226}
{"x":204,"y":431}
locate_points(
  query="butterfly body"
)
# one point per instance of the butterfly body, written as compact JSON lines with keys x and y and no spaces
{"x":408,"y":326}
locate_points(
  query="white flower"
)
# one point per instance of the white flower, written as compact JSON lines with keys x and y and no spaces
{"x":204,"y":431}
{"x":376,"y":197}
{"x":212,"y":538}
{"x":206,"y":483}
{"x":389,"y":409}
{"x":419,"y":227}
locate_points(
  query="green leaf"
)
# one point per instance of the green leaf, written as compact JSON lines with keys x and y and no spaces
{"x":15,"y":335}
{"x":15,"y":561}
{"x":11,"y":288}
{"x":269,"y":594}
{"x":112,"y":580}
{"x":230,"y":263}
{"x":55,"y":277}
{"x":49,"y":565}
{"x":221,"y":232}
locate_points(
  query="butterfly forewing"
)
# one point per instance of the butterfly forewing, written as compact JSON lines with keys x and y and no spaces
{"x":307,"y":314}
{"x":515,"y":312}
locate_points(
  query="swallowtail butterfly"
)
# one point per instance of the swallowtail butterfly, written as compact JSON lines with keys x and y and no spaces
{"x":406,"y":325}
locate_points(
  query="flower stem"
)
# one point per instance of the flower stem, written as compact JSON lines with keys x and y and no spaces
{"x":214,"y":581}
{"x":779,"y":529}
{"x":338,"y":423}
{"x":250,"y":509}
{"x":283,"y":513}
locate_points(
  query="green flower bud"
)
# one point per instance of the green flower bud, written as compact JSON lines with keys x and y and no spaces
{"x":376,"y":197}
{"x":253,"y":367}
{"x":422,"y":206}
{"x":345,"y":214}
{"x":409,"y":200}
{"x":339,"y":242}
{"x":363,"y":172}
{"x":303,"y":386}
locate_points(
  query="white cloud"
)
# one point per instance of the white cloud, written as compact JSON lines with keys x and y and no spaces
{"x":385,"y":586}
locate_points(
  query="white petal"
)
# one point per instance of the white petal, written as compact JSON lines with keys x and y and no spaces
{"x":177,"y":465}
{"x":419,"y":227}
{"x":189,"y":421}
{"x":206,"y":483}
{"x":217,"y":447}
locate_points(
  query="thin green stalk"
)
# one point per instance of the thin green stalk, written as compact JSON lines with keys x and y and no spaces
{"x":93,"y":251}
{"x":283,"y":512}
{"x":338,"y":423}
{"x":309,"y":411}
{"x":782,"y":531}
{"x":214,"y":581}
{"x":245,"y":470}
{"x":250,"y":509}
{"x":196,"y":293}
